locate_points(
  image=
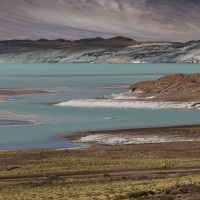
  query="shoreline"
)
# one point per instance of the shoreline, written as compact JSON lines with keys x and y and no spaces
{"x":133,"y":136}
{"x":127,"y":137}
{"x":130,"y":104}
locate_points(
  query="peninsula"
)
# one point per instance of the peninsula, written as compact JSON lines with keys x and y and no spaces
{"x":176,"y":91}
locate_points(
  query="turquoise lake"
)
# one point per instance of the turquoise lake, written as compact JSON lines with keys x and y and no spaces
{"x":73,"y":81}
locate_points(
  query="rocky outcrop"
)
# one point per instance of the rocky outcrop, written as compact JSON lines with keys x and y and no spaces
{"x":175,"y":87}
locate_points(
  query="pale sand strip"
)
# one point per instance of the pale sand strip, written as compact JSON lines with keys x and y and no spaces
{"x":127,"y":104}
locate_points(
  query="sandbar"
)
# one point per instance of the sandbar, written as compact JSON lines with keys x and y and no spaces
{"x":20,"y":92}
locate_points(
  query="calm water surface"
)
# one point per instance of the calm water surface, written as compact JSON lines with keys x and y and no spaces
{"x":72,"y":81}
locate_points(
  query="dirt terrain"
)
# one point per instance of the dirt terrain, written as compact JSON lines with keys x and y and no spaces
{"x":136,"y":174}
{"x":159,"y":171}
{"x":116,"y":167}
{"x":175,"y":87}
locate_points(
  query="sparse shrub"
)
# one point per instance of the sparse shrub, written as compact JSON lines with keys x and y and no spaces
{"x":138,"y":194}
{"x":168,"y":191}
{"x":151,"y":193}
{"x":179,"y":195}
{"x":166,"y":197}
{"x":106,"y":176}
{"x":184,"y":189}
{"x":175,"y":192}
{"x":120,"y":197}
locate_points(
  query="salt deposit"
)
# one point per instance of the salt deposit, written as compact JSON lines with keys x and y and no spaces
{"x":107,"y":139}
{"x":126,"y":104}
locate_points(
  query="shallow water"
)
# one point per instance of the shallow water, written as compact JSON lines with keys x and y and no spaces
{"x":72,"y":81}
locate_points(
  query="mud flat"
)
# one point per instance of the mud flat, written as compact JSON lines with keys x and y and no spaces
{"x":20,"y":92}
{"x":15,"y":123}
{"x":12,"y":94}
{"x":16,"y":119}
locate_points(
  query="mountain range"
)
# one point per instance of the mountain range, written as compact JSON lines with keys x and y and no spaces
{"x":99,"y":50}
{"x":143,"y":20}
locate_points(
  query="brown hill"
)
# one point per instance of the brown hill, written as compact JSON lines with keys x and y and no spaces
{"x":175,"y":87}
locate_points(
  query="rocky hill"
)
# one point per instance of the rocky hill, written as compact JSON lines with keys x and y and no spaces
{"x":175,"y":87}
{"x":99,"y":50}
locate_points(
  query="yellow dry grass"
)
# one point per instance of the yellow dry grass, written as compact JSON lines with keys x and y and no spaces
{"x":90,"y":189}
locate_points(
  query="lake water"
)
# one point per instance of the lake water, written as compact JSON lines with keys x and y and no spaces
{"x":73,"y":81}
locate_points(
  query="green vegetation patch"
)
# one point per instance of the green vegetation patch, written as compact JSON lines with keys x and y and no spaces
{"x":100,"y":159}
{"x":102,"y":189}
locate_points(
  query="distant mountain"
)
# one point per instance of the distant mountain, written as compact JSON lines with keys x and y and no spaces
{"x":99,"y":50}
{"x":155,"y":20}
